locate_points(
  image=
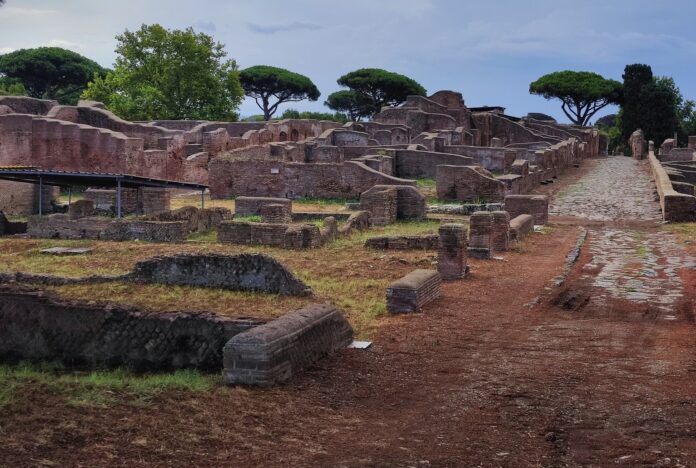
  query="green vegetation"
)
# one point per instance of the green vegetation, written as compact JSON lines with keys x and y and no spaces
{"x":295,"y":114}
{"x":97,"y":388}
{"x":582,"y":94}
{"x":169,"y":74}
{"x":425,"y":183}
{"x":10,"y":87}
{"x":263,"y":82}
{"x":249,"y":218}
{"x":369,"y":89}
{"x":655,"y":105}
{"x":49,"y":73}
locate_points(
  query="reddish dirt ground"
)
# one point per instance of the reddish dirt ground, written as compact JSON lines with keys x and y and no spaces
{"x":502,"y":371}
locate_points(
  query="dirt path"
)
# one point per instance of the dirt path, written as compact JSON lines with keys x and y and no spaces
{"x":503,"y":371}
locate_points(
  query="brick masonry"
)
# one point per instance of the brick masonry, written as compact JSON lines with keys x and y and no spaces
{"x":244,"y":272}
{"x":34,"y":326}
{"x":480,"y":234}
{"x":535,"y":205}
{"x":413,"y":291}
{"x":274,"y":352}
{"x":500,"y":236}
{"x":451,"y":252}
{"x":426,"y":242}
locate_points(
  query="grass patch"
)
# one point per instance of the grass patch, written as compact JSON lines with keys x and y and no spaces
{"x":342,"y":272}
{"x":98,"y":388}
{"x":425,"y":183}
{"x":162,"y":298}
{"x":205,"y":236}
{"x":249,"y":218}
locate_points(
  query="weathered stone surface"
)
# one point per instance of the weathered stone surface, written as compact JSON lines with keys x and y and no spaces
{"x":480,"y":235}
{"x":521,"y":226}
{"x":452,"y":245}
{"x":535,"y":205}
{"x":500,"y":237}
{"x":381,"y":203}
{"x":274,"y":352}
{"x":250,"y":206}
{"x":468,"y":183}
{"x":244,"y":272}
{"x":425,"y":242}
{"x":36,"y":327}
{"x":66,"y":251}
{"x":81,"y":209}
{"x":413,"y":291}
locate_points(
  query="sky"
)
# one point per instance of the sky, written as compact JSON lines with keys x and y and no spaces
{"x":489,"y":51}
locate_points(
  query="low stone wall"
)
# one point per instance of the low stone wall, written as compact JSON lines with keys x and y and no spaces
{"x":521,"y":226}
{"x":149,"y":231}
{"x":676,"y":207}
{"x":195,"y":219}
{"x":290,"y":236}
{"x":34,"y":326}
{"x":274,"y":352}
{"x":451,"y":252}
{"x":387,"y":203}
{"x":500,"y":236}
{"x":413,"y":291}
{"x":468,"y":183}
{"x":535,"y":205}
{"x":250,"y":206}
{"x":426,"y":242}
{"x":480,"y":235}
{"x":8,"y":228}
{"x":244,"y":272}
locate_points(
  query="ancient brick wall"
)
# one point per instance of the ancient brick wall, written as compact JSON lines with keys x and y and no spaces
{"x":451,"y":253}
{"x":413,"y":291}
{"x":480,"y":234}
{"x":416,"y":164}
{"x":36,"y":327}
{"x":244,"y":272}
{"x":230,"y":178}
{"x":535,"y":205}
{"x":425,"y":242}
{"x":27,"y":105}
{"x":151,"y":231}
{"x":274,"y":352}
{"x":250,"y":206}
{"x":381,"y":202}
{"x":500,"y":227}
{"x":18,"y":198}
{"x":467,"y":183}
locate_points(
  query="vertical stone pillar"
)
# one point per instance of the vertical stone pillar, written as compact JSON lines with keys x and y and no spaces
{"x":501,"y":231}
{"x":451,"y":252}
{"x":480,"y":227}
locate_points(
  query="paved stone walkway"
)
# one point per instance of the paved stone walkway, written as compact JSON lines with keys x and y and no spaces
{"x":617,"y":188}
{"x":639,"y":264}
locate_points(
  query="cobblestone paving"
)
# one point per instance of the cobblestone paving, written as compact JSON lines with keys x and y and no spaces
{"x":637,"y":266}
{"x":617,"y":188}
{"x":640,"y":265}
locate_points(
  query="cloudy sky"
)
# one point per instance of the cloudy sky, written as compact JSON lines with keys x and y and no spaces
{"x":489,"y":51}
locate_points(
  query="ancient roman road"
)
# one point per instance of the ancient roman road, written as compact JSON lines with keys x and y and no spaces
{"x":504,"y":370}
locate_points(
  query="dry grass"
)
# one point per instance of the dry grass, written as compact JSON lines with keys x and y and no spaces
{"x":342,"y":272}
{"x":299,"y":206}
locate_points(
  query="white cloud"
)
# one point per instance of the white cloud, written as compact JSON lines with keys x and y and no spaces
{"x":19,"y":12}
{"x":75,"y":46}
{"x":6,"y":50}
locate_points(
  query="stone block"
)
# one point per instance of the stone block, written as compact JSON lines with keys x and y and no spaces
{"x":451,"y":252}
{"x":81,"y":209}
{"x":521,"y":226}
{"x":272,"y":353}
{"x":480,"y":235}
{"x":535,"y":205}
{"x":413,"y":291}
{"x":500,"y":237}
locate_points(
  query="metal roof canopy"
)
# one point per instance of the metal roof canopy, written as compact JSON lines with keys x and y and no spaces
{"x":97,"y":179}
